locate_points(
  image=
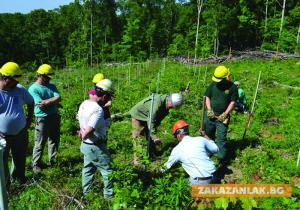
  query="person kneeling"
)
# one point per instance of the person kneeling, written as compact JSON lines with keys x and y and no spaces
{"x":194,"y":154}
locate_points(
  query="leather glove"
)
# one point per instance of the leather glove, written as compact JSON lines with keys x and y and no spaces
{"x":222,"y":117}
{"x":211,"y":114}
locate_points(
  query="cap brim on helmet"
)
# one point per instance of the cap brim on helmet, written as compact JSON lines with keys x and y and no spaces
{"x":18,"y":79}
{"x":216,"y":79}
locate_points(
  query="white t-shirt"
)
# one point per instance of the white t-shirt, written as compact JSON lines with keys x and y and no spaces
{"x":92,"y":115}
{"x":193,"y":153}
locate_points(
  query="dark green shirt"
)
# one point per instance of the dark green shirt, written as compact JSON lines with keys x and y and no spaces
{"x":142,"y":109}
{"x":221,"y":94}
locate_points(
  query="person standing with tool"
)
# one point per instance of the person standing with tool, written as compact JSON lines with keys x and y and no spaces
{"x":47,"y":125}
{"x":220,"y":99}
{"x":194,"y":155}
{"x":14,"y":122}
{"x":140,"y":115}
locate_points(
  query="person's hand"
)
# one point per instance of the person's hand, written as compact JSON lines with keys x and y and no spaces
{"x":81,"y":133}
{"x":157,"y":141}
{"x":223,"y":117}
{"x":211,"y":114}
{"x":2,"y":142}
{"x":42,"y":104}
{"x":202,"y":132}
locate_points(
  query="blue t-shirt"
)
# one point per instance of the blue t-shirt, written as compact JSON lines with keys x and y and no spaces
{"x":12,"y":117}
{"x":43,"y":92}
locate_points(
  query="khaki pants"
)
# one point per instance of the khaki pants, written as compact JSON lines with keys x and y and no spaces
{"x":96,"y":157}
{"x":46,"y":128}
{"x":140,"y":132}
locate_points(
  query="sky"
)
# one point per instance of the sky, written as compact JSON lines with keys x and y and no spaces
{"x":25,"y":6}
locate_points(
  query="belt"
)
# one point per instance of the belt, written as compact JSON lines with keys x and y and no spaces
{"x":203,"y":178}
{"x":94,"y":143}
{"x":88,"y":143}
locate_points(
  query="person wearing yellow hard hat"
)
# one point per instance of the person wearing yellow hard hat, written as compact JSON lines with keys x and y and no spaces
{"x":194,"y":155}
{"x":14,"y":122}
{"x":220,"y":99}
{"x":46,"y":98}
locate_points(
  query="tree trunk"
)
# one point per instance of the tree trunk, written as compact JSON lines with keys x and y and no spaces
{"x":266,"y":16}
{"x":199,"y":5}
{"x":282,"y":17}
{"x":298,"y":36}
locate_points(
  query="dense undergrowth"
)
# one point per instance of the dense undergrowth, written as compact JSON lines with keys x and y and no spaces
{"x":268,"y":154}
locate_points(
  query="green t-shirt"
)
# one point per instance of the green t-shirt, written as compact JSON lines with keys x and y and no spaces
{"x":221,"y":94}
{"x":141,"y":110}
{"x":43,"y":92}
{"x":242,"y":97}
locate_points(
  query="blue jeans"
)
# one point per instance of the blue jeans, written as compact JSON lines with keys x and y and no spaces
{"x":96,"y":157}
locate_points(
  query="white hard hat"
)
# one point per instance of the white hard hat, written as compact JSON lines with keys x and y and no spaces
{"x":176,"y":99}
{"x":104,"y":85}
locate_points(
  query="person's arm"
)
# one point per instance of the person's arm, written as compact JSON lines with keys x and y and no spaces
{"x":230,"y":107}
{"x":153,"y":127}
{"x":84,"y":133}
{"x":211,"y":146}
{"x":49,"y":101}
{"x":174,"y":158}
{"x":95,"y":120}
{"x":28,"y":99}
{"x":207,"y":103}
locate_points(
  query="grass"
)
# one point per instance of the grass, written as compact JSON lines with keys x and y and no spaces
{"x":268,"y":154}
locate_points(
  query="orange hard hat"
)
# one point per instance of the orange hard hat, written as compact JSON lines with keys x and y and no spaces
{"x":179,"y":124}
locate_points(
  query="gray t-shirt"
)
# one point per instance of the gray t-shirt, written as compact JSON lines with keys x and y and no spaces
{"x":12,"y":117}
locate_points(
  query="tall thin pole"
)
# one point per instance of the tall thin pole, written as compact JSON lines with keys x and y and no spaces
{"x":150,"y":124}
{"x":298,"y":158}
{"x":91,"y":37}
{"x":199,"y":6}
{"x":252,"y":108}
{"x":158,"y":82}
{"x":3,"y":193}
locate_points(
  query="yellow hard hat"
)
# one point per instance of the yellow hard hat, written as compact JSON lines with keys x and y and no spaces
{"x":220,"y":73}
{"x":97,"y":78}
{"x":45,"y":69}
{"x":11,"y":69}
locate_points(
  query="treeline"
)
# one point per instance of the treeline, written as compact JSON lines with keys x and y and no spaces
{"x":94,"y":31}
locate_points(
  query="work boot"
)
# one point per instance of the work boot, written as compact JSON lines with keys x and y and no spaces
{"x":36,"y":169}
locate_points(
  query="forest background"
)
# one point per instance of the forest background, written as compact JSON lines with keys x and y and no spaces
{"x":97,"y":31}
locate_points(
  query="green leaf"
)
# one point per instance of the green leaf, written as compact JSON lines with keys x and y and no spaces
{"x":221,"y":203}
